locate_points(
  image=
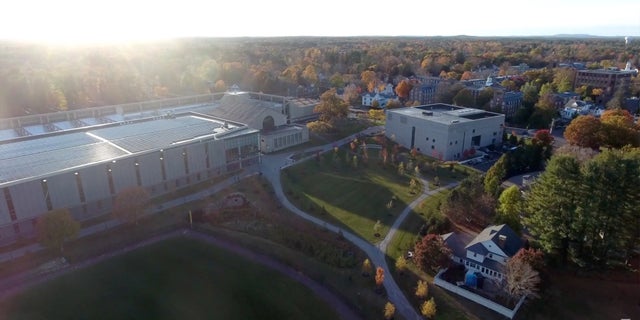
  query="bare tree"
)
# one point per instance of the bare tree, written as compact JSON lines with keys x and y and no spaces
{"x":131,"y":203}
{"x":521,"y":279}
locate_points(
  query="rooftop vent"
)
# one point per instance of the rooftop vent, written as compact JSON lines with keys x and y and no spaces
{"x":427,"y":113}
{"x":455,"y":121}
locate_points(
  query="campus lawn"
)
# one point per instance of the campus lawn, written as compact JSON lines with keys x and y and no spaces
{"x":174,"y":279}
{"x":354,"y":198}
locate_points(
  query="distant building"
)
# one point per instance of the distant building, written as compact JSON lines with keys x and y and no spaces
{"x":382,"y":97}
{"x":444,"y":131}
{"x":608,"y":80}
{"x":425,"y":89}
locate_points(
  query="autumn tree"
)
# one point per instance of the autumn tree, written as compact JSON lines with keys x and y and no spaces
{"x":379,"y":276}
{"x":131,"y":203}
{"x":563,"y":79}
{"x":533,"y":257}
{"x":369,"y":79}
{"x":376,"y":114}
{"x":367,"y":268}
{"x":389,"y":310}
{"x":401,"y":264}
{"x":618,"y":129}
{"x":403,"y":88}
{"x":509,"y":208}
{"x":431,"y":253}
{"x":422,"y":289}
{"x":521,"y":280}
{"x":584,"y":131}
{"x":351,"y":95}
{"x":428,"y":308}
{"x":55,"y":227}
{"x":331,"y":107}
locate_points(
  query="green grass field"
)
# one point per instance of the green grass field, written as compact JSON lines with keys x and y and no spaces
{"x":353,"y":198}
{"x":174,"y":279}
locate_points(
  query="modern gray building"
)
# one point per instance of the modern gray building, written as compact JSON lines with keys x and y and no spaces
{"x":444,"y":131}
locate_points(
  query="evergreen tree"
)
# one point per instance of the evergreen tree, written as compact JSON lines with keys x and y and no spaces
{"x":551,"y":205}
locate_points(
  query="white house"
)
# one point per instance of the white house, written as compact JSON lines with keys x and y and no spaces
{"x":487,"y":253}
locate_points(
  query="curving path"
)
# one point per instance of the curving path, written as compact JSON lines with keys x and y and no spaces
{"x":10,"y":287}
{"x":271,"y":167}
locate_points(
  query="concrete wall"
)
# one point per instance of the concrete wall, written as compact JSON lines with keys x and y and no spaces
{"x":5,"y":216}
{"x":28,"y":199}
{"x":150,"y":169}
{"x":441,"y":140}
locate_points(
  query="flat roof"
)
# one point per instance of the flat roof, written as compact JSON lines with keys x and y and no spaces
{"x":49,"y":153}
{"x":445,"y":113}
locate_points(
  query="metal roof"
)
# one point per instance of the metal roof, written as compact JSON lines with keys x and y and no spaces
{"x":46,"y":154}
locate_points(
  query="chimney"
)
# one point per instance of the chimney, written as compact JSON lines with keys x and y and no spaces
{"x":502,"y":239}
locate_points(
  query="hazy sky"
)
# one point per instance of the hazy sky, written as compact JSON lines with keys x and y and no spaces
{"x":111,"y":20}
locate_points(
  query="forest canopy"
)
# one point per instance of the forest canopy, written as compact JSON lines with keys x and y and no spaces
{"x":37,"y":78}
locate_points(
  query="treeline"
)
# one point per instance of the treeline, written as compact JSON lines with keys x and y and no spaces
{"x":37,"y":79}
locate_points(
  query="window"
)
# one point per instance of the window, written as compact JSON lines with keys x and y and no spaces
{"x":473,"y":131}
{"x":450,"y":143}
{"x":495,"y":133}
{"x":433,"y":140}
{"x":432,"y":147}
{"x":456,"y":141}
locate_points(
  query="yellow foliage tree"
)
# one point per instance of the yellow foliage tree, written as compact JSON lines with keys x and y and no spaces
{"x":389,"y":310}
{"x":366,"y":267}
{"x":428,"y":308}
{"x":422,"y":290}
{"x":401,"y":264}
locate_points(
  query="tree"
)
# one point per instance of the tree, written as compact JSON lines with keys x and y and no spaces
{"x":463,"y":98}
{"x":401,"y":264}
{"x":414,"y":186}
{"x":428,"y":308}
{"x":422,"y":290}
{"x":309,"y":74}
{"x":370,"y":79}
{"x":389,"y":310}
{"x":484,"y":98}
{"x":495,"y":175}
{"x":469,"y":204}
{"x":584,"y":131}
{"x":533,"y":257}
{"x":618,"y":129}
{"x":509,"y":208}
{"x":521,"y":280}
{"x":220,"y":86}
{"x":393,"y":104}
{"x":55,"y":227}
{"x":563,"y":79}
{"x":376,"y":228}
{"x":552,"y":203}
{"x":401,"y":168}
{"x":431,"y":253}
{"x":379,"y":276}
{"x":351,"y":95}
{"x":403,"y":88}
{"x":366,"y":267}
{"x":331,"y":107}
{"x":131,"y":203}
{"x":376,"y":114}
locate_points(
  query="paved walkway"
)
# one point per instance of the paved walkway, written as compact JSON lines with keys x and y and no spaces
{"x":270,"y":167}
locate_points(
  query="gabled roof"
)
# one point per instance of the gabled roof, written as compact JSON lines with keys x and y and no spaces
{"x":511,"y":244}
{"x":454,"y":242}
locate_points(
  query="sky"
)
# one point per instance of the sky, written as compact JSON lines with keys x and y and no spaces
{"x":86,"y":21}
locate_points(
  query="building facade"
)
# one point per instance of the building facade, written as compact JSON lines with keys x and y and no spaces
{"x":609,"y":80}
{"x":80,"y":160}
{"x":444,"y":131}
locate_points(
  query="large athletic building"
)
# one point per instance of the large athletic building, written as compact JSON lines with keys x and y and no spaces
{"x":81,"y":159}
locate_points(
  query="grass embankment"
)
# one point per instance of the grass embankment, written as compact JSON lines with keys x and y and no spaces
{"x":174,"y":279}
